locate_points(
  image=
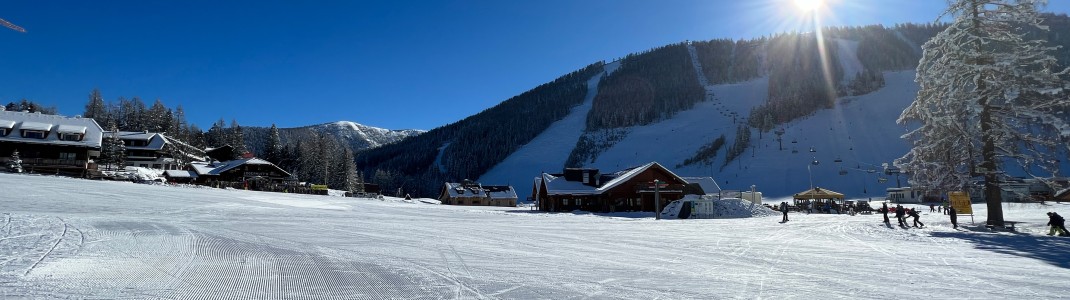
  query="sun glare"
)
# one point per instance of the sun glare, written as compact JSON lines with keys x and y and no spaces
{"x":808,"y":5}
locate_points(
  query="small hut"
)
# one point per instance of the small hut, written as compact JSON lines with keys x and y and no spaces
{"x":817,"y":198}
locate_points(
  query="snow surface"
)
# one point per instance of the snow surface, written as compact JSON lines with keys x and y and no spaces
{"x":73,"y":238}
{"x":848,"y":59}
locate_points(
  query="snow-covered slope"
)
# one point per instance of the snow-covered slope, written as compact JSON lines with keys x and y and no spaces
{"x":63,"y":238}
{"x":859,"y":131}
{"x":548,"y":151}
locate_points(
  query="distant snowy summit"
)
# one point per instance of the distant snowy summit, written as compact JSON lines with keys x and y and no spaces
{"x":361,"y":136}
{"x":356,"y":135}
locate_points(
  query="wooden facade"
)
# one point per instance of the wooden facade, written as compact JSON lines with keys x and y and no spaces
{"x":627,"y":190}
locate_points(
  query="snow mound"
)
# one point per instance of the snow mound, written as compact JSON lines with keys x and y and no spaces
{"x":739,"y":208}
{"x":727,"y":208}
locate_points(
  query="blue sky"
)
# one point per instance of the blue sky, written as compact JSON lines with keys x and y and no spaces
{"x":391,"y":64}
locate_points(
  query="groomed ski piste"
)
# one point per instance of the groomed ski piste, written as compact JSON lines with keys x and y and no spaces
{"x":74,"y":238}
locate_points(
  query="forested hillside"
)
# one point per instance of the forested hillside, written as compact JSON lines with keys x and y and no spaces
{"x":469,"y":147}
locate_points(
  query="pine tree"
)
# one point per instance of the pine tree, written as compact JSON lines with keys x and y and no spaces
{"x":217,"y":135}
{"x":14,"y":164}
{"x":237,"y":139}
{"x":158,"y":118}
{"x":272,"y":147}
{"x":96,"y":108}
{"x":113,"y":150}
{"x":988,"y":95}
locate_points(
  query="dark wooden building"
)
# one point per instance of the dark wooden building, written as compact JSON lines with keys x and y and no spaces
{"x":238,"y":170}
{"x":50,"y":143}
{"x":473,"y":193}
{"x":588,"y":190}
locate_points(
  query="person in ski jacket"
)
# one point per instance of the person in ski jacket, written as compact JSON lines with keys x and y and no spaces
{"x":1057,"y":223}
{"x":914,"y":214}
{"x":784,"y":209}
{"x":954,"y":217}
{"x":884,"y":210}
{"x":899,"y":212}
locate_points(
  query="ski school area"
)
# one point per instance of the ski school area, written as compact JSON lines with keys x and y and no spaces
{"x":76,"y":238}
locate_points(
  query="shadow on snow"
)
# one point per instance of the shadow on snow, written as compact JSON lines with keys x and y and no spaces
{"x":1053,"y":250}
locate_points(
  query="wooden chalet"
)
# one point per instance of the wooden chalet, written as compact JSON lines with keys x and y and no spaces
{"x":473,"y":193}
{"x":238,"y":170}
{"x":588,"y":190}
{"x":50,"y":143}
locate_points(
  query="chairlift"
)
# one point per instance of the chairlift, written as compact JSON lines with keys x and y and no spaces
{"x":843,"y":172}
{"x":838,"y":160}
{"x":793,"y":150}
{"x":794,"y":141}
{"x":812,"y":149}
{"x":815,"y":162}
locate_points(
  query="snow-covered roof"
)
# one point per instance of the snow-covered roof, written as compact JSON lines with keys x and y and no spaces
{"x":36,"y":126}
{"x":474,"y":189}
{"x":500,"y":192}
{"x":53,"y":125}
{"x":71,"y":129}
{"x":558,"y":185}
{"x":457,"y":189}
{"x":216,"y":168}
{"x":202,"y":168}
{"x":709,"y":186}
{"x":154,"y":141}
{"x":180,"y":174}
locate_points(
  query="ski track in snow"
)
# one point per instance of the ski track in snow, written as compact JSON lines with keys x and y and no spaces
{"x":158,"y":242}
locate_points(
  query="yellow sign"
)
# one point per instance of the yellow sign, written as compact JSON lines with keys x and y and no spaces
{"x":961,"y":202}
{"x":319,"y":187}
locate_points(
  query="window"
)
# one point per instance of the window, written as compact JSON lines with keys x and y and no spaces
{"x":33,"y":134}
{"x":3,"y":131}
{"x":68,"y":156}
{"x":74,"y":137}
{"x":156,"y":166}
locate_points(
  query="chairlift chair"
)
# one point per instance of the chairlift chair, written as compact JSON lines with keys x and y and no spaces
{"x":838,"y":160}
{"x":812,"y":149}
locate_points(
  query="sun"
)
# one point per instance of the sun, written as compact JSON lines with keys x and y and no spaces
{"x":807,"y":6}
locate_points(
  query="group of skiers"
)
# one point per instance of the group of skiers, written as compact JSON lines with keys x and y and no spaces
{"x":1057,"y":223}
{"x":902,"y":213}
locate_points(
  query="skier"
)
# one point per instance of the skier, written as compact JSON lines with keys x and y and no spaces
{"x":954,"y":217}
{"x":914,"y":214}
{"x":784,"y":209}
{"x":884,"y":210}
{"x":899,"y":211}
{"x":1057,"y":224}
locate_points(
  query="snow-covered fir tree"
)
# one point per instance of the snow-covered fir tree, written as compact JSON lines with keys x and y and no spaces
{"x":272,"y":147}
{"x":237,"y":139}
{"x":14,"y":164}
{"x":990,"y":100}
{"x":113,"y":151}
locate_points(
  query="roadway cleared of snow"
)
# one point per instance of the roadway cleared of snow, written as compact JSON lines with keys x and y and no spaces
{"x":72,"y":238}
